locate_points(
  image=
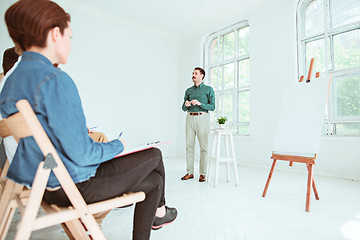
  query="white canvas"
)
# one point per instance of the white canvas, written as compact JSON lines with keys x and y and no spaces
{"x":301,"y":118}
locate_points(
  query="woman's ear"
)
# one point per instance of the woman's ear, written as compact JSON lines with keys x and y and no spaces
{"x":55,"y":34}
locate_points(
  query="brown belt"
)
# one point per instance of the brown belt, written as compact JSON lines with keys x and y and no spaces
{"x":195,"y":113}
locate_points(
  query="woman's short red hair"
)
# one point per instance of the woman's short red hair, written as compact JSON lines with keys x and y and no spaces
{"x":29,"y":21}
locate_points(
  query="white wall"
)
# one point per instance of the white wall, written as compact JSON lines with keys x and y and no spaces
{"x":126,"y":73}
{"x":132,"y":77}
{"x":273,"y":64}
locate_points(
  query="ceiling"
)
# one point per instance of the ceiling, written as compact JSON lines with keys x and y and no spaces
{"x":179,"y":17}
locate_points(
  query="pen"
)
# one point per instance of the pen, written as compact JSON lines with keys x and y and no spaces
{"x":120,"y":135}
{"x":153,"y":143}
{"x":92,"y":128}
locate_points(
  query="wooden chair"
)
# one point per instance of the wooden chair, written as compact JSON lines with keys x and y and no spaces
{"x":25,"y":124}
{"x":10,"y":192}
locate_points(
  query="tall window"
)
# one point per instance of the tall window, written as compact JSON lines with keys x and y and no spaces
{"x":329,"y":31}
{"x":227,"y":61}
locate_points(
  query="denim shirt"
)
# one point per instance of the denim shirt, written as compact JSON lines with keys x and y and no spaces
{"x":56,"y":102}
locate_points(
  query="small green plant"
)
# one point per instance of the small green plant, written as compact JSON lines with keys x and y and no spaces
{"x":222,"y":120}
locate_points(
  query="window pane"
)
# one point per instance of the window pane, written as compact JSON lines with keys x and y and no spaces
{"x":229,"y":45}
{"x":244,"y":73}
{"x":316,"y":49}
{"x":314,"y":17}
{"x":243,"y":41}
{"x":347,"y":49}
{"x":229,"y":76}
{"x":220,"y":49}
{"x":214,"y":48}
{"x":214,"y":77}
{"x":344,"y":12}
{"x":244,"y":104}
{"x":228,"y":107}
{"x":348,"y":129}
{"x":347,"y":97}
{"x":219,"y":105}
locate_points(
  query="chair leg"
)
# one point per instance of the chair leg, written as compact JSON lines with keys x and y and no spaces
{"x":227,"y":154}
{"x":75,"y":230}
{"x":32,"y":208}
{"x":6,"y":220}
{"x":234,"y":161}
{"x":212,"y":155}
{"x":269,"y":178}
{"x":218,"y":149}
{"x":308,"y":191}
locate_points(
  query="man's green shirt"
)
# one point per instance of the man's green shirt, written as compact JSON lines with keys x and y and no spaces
{"x":204,"y":94}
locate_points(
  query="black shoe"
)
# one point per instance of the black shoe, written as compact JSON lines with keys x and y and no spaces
{"x":170,"y":216}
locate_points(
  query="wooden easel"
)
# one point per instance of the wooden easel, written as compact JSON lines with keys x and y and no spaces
{"x":309,"y":161}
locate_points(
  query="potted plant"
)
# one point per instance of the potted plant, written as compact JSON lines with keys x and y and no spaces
{"x":221,"y":121}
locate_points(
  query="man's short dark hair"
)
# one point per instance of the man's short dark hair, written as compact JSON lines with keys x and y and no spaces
{"x":202,"y":71}
{"x":10,"y":57}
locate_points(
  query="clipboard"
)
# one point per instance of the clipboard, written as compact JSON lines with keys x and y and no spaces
{"x":128,"y":151}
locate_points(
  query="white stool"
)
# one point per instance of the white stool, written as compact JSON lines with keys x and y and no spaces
{"x":217,"y":158}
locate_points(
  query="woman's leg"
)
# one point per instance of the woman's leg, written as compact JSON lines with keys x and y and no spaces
{"x":141,"y":171}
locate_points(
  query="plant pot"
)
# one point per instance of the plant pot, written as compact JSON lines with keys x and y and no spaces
{"x":221,"y":126}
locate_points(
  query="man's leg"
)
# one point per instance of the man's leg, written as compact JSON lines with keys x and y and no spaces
{"x":190,"y":143}
{"x":203,"y":136}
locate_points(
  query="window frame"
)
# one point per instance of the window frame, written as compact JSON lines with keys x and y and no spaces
{"x":328,"y":35}
{"x":220,"y":64}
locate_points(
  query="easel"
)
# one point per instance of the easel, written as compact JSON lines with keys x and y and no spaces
{"x":309,"y":161}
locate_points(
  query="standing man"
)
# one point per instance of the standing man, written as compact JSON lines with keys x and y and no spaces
{"x":198,"y":100}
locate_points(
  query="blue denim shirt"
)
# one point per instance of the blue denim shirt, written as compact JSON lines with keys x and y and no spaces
{"x":56,"y":102}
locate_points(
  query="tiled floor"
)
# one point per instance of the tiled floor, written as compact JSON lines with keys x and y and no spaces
{"x":240,"y":213}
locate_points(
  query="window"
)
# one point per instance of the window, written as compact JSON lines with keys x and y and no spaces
{"x":329,"y":31}
{"x":227,"y":62}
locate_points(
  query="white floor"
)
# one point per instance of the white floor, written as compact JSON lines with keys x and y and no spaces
{"x":241,"y":213}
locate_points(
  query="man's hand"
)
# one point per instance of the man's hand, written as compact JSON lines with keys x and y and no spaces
{"x":195,"y":102}
{"x":187,"y":103}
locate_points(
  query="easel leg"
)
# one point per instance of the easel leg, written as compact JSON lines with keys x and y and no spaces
{"x":310,"y":181}
{"x":314,"y":187}
{"x":269,"y":178}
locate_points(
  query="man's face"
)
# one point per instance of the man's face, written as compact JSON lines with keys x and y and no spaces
{"x":197,"y":77}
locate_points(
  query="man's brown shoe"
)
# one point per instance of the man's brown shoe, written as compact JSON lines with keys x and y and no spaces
{"x":202,"y":178}
{"x":187,"y":176}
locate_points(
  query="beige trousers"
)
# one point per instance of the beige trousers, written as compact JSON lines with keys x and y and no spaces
{"x":197,"y":125}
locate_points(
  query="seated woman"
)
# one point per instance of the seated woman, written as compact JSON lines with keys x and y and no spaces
{"x":42,"y":29}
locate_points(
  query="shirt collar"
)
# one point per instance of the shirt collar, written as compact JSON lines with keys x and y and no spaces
{"x":36,"y":56}
{"x":201,"y":84}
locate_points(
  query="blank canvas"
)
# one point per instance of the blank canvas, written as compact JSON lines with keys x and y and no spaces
{"x":301,"y":118}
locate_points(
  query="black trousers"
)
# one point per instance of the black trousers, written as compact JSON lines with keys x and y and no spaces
{"x":141,"y":171}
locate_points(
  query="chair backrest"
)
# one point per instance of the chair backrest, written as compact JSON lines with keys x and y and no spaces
{"x":24,"y":124}
{"x":10,"y":192}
